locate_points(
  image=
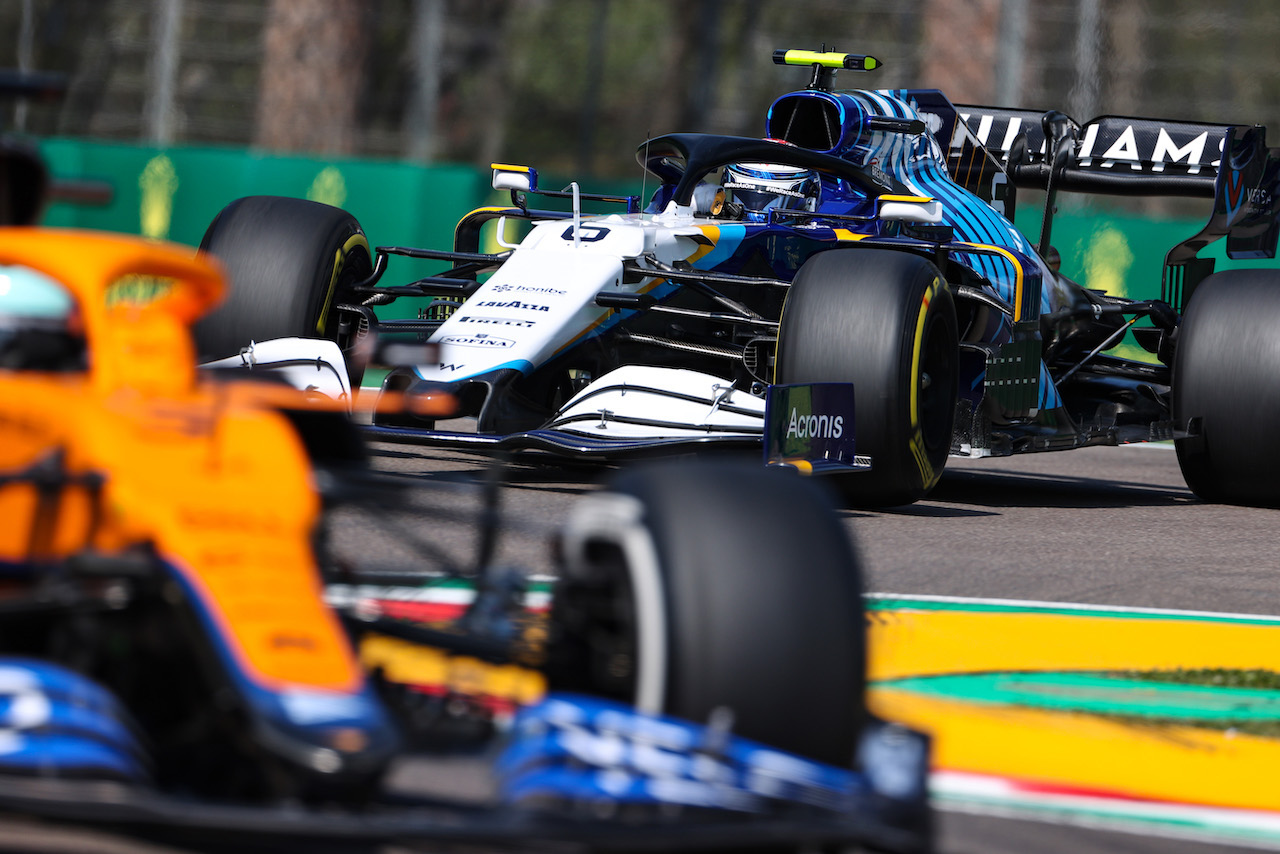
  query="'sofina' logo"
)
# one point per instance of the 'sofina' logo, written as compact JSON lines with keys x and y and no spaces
{"x":815,"y":426}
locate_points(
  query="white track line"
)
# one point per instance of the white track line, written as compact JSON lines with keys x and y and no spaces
{"x":1036,"y":605}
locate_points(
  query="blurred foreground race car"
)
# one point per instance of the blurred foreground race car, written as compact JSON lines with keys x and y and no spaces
{"x":850,"y":290}
{"x":184,"y":656}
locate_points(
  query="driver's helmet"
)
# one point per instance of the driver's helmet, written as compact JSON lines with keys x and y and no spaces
{"x":40,"y":326}
{"x":764,"y":187}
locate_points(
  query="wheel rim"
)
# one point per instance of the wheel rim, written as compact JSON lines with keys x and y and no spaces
{"x":935,"y":383}
{"x":345,"y":329}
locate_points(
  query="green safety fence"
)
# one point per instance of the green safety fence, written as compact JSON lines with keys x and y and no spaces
{"x":174,"y":193}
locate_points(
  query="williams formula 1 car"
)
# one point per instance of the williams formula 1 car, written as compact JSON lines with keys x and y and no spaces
{"x":849,"y":291}
{"x":189,"y":654}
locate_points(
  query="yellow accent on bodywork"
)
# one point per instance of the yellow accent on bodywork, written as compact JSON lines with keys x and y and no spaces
{"x":1019,"y":275}
{"x":506,"y":210}
{"x":601,"y":319}
{"x":889,"y":197}
{"x":413,"y":664}
{"x":826,"y":60}
{"x":712,"y":233}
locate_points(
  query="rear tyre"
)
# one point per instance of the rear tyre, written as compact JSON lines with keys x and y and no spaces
{"x":886,"y":322}
{"x":690,"y":588}
{"x":289,"y":261}
{"x":1224,"y":377}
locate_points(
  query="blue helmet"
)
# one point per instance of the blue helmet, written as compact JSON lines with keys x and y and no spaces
{"x":764,"y":187}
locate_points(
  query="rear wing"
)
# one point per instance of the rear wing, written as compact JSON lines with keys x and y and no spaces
{"x":1117,"y":155}
{"x":1130,"y":156}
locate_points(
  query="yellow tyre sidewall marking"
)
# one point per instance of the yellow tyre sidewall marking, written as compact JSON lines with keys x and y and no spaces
{"x":928,"y":475}
{"x":355,"y":241}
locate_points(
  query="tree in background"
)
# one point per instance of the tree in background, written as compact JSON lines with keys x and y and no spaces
{"x":959,"y":43}
{"x":573,"y":86}
{"x":313,"y":59}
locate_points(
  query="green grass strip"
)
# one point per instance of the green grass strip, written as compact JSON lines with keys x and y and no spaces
{"x":1166,"y":700}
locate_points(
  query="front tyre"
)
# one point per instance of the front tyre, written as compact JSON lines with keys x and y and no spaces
{"x":886,"y":322}
{"x":1224,"y":381}
{"x":289,"y":262}
{"x":694,"y":587}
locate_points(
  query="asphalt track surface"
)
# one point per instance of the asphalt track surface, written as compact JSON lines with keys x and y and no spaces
{"x":1106,"y":526}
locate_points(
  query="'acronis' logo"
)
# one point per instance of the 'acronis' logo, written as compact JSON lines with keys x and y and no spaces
{"x":815,"y":426}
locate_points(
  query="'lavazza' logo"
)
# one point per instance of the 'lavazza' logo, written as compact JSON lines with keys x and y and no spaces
{"x":515,"y":303}
{"x":815,"y":426}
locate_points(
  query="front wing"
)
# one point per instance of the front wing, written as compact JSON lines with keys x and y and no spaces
{"x":637,"y":411}
{"x":576,"y":774}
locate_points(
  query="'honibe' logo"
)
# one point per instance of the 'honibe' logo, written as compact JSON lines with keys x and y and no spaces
{"x":503,"y":288}
{"x":815,"y":426}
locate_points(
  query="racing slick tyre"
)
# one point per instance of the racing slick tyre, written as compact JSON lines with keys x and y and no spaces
{"x":691,"y":588}
{"x":886,"y":322}
{"x":289,"y":261}
{"x":1224,"y":376}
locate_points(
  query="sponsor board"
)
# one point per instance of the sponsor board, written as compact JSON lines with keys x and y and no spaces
{"x":811,"y":422}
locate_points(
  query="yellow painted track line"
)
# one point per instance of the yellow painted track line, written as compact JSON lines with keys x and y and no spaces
{"x":1166,"y":763}
{"x":1172,"y":763}
{"x":917,"y":643}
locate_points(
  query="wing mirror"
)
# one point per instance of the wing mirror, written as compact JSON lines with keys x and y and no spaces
{"x":521,"y":179}
{"x":910,"y":209}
